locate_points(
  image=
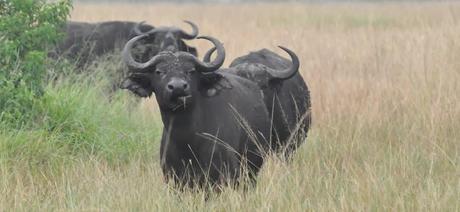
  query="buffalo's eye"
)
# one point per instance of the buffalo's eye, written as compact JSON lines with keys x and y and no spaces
{"x":158,"y":72}
{"x":191,"y":71}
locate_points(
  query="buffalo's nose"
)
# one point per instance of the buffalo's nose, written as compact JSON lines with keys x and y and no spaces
{"x":178,"y":87}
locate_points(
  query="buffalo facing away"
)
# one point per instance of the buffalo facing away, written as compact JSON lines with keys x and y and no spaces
{"x":286,"y":96}
{"x":84,"y":42}
{"x":215,"y":122}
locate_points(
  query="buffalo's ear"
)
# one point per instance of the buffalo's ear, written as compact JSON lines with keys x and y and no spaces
{"x":139,"y":84}
{"x":209,"y":79}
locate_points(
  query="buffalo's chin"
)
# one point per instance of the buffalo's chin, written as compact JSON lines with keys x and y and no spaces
{"x":180,"y":103}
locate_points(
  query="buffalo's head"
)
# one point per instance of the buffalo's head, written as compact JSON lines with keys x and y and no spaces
{"x":167,"y":38}
{"x":174,"y":77}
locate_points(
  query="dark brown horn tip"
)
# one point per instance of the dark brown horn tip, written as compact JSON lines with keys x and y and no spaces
{"x":189,"y":36}
{"x":291,"y":53}
{"x":285,"y":49}
{"x":209,"y":38}
{"x":191,"y":23}
{"x":288,"y":72}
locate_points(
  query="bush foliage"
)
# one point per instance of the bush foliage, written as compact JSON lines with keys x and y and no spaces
{"x":28,"y":28}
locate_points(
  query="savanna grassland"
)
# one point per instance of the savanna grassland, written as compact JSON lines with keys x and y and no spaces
{"x":385,"y":85}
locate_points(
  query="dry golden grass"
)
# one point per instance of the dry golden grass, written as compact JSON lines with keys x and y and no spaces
{"x":385,"y":83}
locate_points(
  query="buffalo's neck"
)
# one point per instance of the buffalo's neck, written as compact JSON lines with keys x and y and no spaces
{"x":177,"y":119}
{"x":181,"y":126}
{"x":180,"y":143}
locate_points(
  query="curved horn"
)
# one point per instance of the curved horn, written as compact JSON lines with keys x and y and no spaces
{"x":138,"y":31}
{"x":207,"y":56}
{"x":288,"y":72}
{"x":129,"y":60}
{"x":207,"y":66}
{"x":137,"y":28}
{"x":192,"y":35}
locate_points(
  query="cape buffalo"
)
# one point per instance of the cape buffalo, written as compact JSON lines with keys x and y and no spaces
{"x":286,"y":96}
{"x":215,"y":122}
{"x":168,"y":39}
{"x":84,"y":42}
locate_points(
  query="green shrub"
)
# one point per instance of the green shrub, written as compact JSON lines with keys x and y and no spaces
{"x":28,"y":28}
{"x":78,"y":121}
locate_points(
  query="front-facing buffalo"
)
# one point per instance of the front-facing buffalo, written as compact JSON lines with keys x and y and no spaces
{"x":215,"y":123}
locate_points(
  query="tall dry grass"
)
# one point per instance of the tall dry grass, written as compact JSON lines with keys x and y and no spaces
{"x":385,"y":83}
